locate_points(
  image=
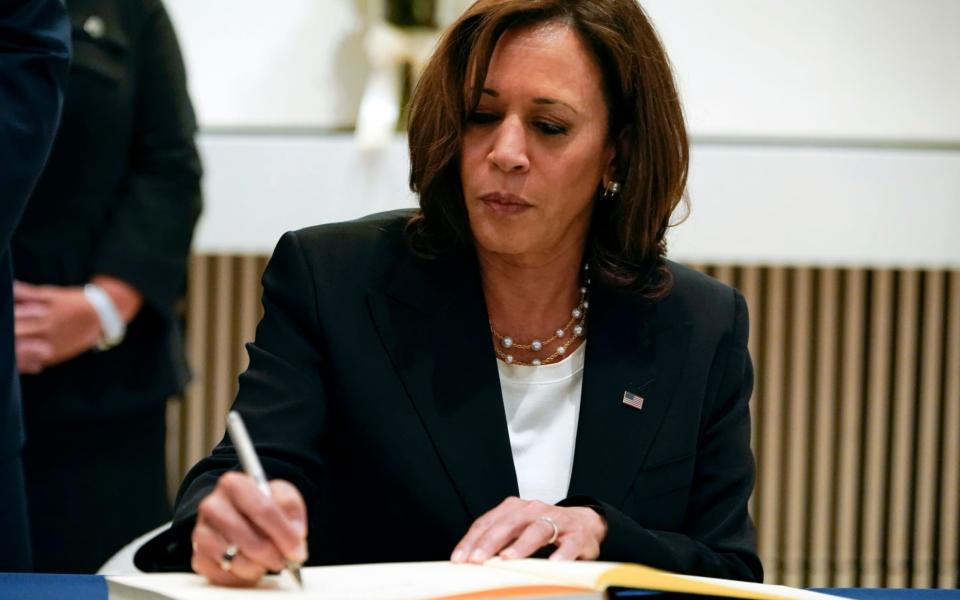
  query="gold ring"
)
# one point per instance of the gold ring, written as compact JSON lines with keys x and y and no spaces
{"x":553,"y":524}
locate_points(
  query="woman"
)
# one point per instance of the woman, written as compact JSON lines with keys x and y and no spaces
{"x":516,"y":366}
{"x":100,"y":261}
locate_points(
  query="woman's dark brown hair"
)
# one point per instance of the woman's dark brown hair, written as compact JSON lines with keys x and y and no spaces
{"x":626,"y":243}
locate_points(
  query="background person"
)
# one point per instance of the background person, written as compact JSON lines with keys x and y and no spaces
{"x":517,"y":366}
{"x":115,"y":208}
{"x":34,"y":54}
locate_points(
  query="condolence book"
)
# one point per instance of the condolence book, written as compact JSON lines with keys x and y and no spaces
{"x":531,"y":578}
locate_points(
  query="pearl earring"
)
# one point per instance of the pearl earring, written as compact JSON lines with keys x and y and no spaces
{"x":611,"y":190}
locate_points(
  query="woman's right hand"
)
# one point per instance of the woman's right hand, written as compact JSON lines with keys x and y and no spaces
{"x":265,"y":533}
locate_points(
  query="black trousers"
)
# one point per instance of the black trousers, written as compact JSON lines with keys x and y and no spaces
{"x":93,"y":487}
{"x":14,"y":539}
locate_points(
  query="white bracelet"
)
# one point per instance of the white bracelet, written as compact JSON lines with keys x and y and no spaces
{"x":112,"y":326}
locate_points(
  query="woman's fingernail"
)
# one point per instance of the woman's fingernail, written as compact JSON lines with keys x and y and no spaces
{"x":478,"y":556}
{"x":457,"y":556}
{"x":300,"y":554}
{"x":508,"y":554}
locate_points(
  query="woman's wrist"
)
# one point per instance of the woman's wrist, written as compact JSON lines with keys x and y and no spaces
{"x":123,"y":295}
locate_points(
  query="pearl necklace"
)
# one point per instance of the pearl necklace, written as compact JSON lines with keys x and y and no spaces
{"x":577,"y":325}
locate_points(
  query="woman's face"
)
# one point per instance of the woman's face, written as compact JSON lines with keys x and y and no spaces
{"x":535,"y":149}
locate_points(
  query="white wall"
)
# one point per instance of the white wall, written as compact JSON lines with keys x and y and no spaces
{"x":282,"y":63}
{"x":849,"y":69}
{"x":821,"y":206}
{"x":827,"y":130}
{"x":771,"y":205}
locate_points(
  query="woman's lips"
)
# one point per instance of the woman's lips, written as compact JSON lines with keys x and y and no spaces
{"x":505,"y":204}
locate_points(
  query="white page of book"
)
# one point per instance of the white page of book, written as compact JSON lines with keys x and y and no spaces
{"x":394,"y":581}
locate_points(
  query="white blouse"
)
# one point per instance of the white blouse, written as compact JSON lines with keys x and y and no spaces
{"x":542,"y":405}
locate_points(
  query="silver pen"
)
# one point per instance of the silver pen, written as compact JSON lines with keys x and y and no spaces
{"x":251,"y":464}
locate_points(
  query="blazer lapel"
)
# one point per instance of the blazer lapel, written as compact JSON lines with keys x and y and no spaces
{"x":433,"y":323}
{"x":631,"y":348}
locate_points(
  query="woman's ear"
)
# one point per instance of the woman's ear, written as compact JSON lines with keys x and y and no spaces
{"x":616,"y":152}
{"x":609,"y":165}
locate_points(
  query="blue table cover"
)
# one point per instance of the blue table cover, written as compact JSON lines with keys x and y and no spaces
{"x":37,"y":586}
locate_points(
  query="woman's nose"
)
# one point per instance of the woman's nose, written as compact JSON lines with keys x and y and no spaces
{"x":509,"y":152}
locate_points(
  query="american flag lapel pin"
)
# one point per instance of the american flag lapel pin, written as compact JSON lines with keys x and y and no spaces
{"x":633,"y":400}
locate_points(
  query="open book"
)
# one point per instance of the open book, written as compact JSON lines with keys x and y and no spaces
{"x":530,"y":578}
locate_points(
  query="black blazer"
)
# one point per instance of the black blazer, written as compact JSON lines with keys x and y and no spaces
{"x":373,"y":387}
{"x":33,"y":70}
{"x":120,"y":196}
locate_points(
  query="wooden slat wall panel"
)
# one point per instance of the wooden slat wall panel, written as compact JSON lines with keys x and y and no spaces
{"x":749,"y":284}
{"x":770,"y":463}
{"x":193,"y":414}
{"x":876,"y":417}
{"x":219,"y":353}
{"x":924,"y":498}
{"x":855,"y":313}
{"x":905,"y":396}
{"x":949,"y":513}
{"x":222,"y":310}
{"x":797,"y":429}
{"x":856,"y":411}
{"x":248,"y":308}
{"x":824,"y":402}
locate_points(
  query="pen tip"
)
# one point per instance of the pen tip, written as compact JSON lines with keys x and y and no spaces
{"x":295,"y":573}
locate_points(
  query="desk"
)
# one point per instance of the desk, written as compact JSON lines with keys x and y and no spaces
{"x":36,"y":586}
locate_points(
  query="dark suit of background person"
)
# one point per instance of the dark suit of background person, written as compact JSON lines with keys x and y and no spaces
{"x":373,"y":387}
{"x":119,"y":197}
{"x":34,"y":53}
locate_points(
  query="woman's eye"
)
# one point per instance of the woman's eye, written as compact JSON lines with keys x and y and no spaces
{"x":482,"y":118}
{"x":551,"y":128}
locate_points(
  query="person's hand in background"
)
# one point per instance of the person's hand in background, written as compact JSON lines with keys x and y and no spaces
{"x":53,"y":324}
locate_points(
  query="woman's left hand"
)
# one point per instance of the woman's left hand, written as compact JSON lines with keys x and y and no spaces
{"x":517,"y":528}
